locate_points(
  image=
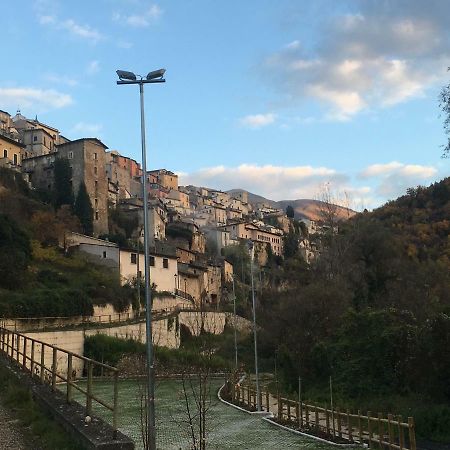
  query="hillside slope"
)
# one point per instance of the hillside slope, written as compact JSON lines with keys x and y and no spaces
{"x":304,"y":208}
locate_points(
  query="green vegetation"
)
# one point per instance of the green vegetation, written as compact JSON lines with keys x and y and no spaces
{"x":43,"y":430}
{"x":111,"y":351}
{"x":372,"y":312}
{"x":83,"y":210}
{"x":15,"y":251}
{"x":57,"y":284}
{"x":37,"y":277}
{"x":63,"y":193}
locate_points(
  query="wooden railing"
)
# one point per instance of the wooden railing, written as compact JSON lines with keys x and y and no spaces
{"x":379,"y":431}
{"x":65,"y":366}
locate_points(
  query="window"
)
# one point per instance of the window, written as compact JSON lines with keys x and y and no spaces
{"x":133,"y":258}
{"x":15,"y":159}
{"x":96,"y":202}
{"x":165,"y":263}
{"x":70,"y":155}
{"x":34,"y":138}
{"x":95,"y":155}
{"x":95,"y":170}
{"x":152,"y":261}
{"x":104,"y":254}
{"x":5,"y":153}
{"x":96,"y":215}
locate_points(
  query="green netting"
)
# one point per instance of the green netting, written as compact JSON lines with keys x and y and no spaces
{"x":228,"y":428}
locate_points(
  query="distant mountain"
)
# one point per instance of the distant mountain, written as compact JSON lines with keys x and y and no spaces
{"x":303,"y":208}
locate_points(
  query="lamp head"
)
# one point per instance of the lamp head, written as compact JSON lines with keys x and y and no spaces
{"x":125,"y":75}
{"x":156,"y":74}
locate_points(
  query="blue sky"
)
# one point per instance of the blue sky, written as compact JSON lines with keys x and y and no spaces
{"x":280,"y":98}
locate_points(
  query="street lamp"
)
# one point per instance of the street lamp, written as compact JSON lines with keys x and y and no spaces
{"x":252,"y":254}
{"x":234,"y":326}
{"x":126,"y":77}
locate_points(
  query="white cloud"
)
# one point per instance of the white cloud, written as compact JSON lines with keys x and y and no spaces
{"x":379,"y":55}
{"x":60,"y":79}
{"x":38,"y":99}
{"x":87,"y":129}
{"x":93,"y":67}
{"x":274,"y":182}
{"x":141,"y":19}
{"x":395,"y":167}
{"x":82,"y":31}
{"x":394,"y":178}
{"x":372,"y":187}
{"x":257,"y":120}
{"x":74,"y":28}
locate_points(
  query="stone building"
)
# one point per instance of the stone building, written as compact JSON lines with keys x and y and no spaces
{"x":10,"y":152}
{"x":87,"y":160}
{"x":123,"y":176}
{"x":165,"y":178}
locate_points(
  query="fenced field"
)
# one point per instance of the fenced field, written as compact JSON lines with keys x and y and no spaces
{"x":228,"y":428}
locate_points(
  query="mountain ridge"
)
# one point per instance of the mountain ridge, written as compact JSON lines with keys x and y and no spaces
{"x":304,"y":208}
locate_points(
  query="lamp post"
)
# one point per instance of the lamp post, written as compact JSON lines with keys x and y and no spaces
{"x":125,"y":77}
{"x":252,"y":254}
{"x":234,"y":324}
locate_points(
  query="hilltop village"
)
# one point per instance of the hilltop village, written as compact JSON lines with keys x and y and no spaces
{"x":191,"y":227}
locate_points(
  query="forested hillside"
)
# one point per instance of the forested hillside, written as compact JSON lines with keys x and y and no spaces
{"x":372,"y":312}
{"x":37,"y":277}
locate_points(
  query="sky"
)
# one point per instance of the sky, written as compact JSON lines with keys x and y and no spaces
{"x":283,"y":98}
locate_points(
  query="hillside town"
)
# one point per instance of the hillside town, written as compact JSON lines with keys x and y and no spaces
{"x":190,"y":226}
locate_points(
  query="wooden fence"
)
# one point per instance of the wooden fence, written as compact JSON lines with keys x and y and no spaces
{"x":31,"y":355}
{"x":382,"y":432}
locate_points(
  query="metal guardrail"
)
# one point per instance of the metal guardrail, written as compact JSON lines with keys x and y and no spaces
{"x":383,"y":432}
{"x":42,"y":323}
{"x":54,"y":322}
{"x":31,"y":355}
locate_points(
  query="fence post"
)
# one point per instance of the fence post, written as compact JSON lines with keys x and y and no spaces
{"x":268,"y":400}
{"x":42,"y":362}
{"x":339,"y":422}
{"x":316,"y":418}
{"x":360,"y":427}
{"x":306,"y":414}
{"x":249,"y":398}
{"x":32,"y":358}
{"x":69,"y":378}
{"x":54,"y":368}
{"x":24,"y":356}
{"x":412,"y":434}
{"x":297,"y":413}
{"x":260,"y":399}
{"x":280,"y":407}
{"x":116,"y":403}
{"x":401,"y":437}
{"x":288,"y":403}
{"x":301,"y":414}
{"x":89,"y":389}
{"x":380,"y":430}
{"x":327,"y":420}
{"x":369,"y":428}
{"x":349,"y":427}
{"x":390,"y":430}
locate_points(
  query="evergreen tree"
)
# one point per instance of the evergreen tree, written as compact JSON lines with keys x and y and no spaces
{"x":83,"y":209}
{"x":290,"y":212}
{"x":63,"y":194}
